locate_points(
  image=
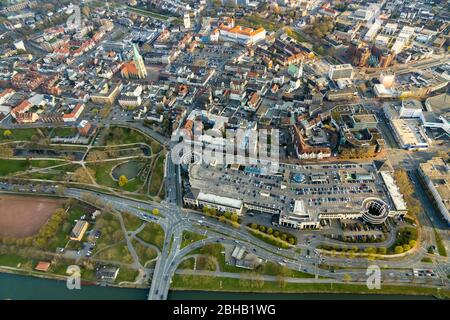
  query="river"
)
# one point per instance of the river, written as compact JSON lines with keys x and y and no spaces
{"x":20,"y":287}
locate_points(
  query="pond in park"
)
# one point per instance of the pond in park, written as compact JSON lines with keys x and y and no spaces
{"x":130,"y":169}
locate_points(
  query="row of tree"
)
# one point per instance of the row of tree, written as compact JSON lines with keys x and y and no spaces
{"x":227,"y":216}
{"x":277,"y":234}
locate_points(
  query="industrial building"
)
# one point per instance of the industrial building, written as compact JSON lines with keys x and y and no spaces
{"x":436,"y":176}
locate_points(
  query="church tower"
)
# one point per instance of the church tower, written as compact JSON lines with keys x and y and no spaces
{"x":139,"y":63}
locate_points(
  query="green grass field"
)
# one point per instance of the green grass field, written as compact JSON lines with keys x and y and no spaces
{"x":152,"y":233}
{"x":149,"y":14}
{"x":131,"y":221}
{"x":119,"y":135}
{"x":157,"y":176}
{"x":11,"y":260}
{"x":190,"y":282}
{"x":191,"y":237}
{"x":440,"y":244}
{"x":145,"y":254}
{"x":9,"y":166}
{"x":126,"y":274}
{"x":18,"y":135}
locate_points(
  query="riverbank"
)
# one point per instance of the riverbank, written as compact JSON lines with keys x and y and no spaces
{"x":217,"y":284}
{"x":22,"y":287}
{"x":63,"y":278}
{"x":31,"y":286}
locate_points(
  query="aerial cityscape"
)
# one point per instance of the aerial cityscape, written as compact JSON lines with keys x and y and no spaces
{"x":214,"y":149}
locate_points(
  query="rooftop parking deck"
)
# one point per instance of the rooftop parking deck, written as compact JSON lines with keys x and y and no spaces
{"x":327,"y":188}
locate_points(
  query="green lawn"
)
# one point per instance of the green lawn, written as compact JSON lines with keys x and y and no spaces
{"x":12,"y":166}
{"x":18,"y":135}
{"x":191,"y":237}
{"x":274,"y":269}
{"x":61,"y":173}
{"x":145,"y":254}
{"x":187,"y":264}
{"x":191,"y":282}
{"x":64,"y":132}
{"x":111,"y":231}
{"x":119,"y":135}
{"x":440,"y":244}
{"x":116,"y":253}
{"x":157,"y":176}
{"x":156,"y":147}
{"x":152,"y":233}
{"x":255,"y":21}
{"x":149,"y":14}
{"x":126,"y":274}
{"x":11,"y":260}
{"x":131,"y":221}
{"x":295,"y":35}
{"x":102,"y":173}
{"x":9,"y":166}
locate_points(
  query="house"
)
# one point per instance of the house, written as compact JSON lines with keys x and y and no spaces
{"x":42,"y":266}
{"x":74,"y":114}
{"x":79,"y":230}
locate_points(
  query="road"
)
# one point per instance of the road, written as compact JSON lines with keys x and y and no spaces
{"x":175,"y":220}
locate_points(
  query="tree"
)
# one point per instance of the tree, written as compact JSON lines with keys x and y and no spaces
{"x":262,"y":228}
{"x":291,"y":240}
{"x":402,"y":179}
{"x":406,"y":247}
{"x":412,"y":243}
{"x":61,"y":190}
{"x":155,"y":211}
{"x":370,"y":250}
{"x":234,"y":217}
{"x":86,"y":11}
{"x":82,"y":175}
{"x":96,"y":156}
{"x":6,"y":151}
{"x":269,"y":231}
{"x":398,"y":249}
{"x":382,"y":250}
{"x":34,"y":138}
{"x":254,"y":226}
{"x":123,"y":180}
{"x":7,"y":133}
{"x":347,"y":277}
{"x":281,"y":282}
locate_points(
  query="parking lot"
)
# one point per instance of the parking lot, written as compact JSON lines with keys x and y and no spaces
{"x":327,"y":188}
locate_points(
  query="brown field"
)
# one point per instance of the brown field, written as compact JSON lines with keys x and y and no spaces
{"x":23,"y":216}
